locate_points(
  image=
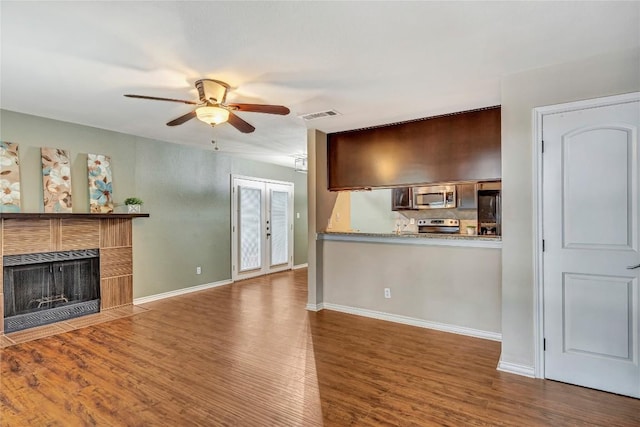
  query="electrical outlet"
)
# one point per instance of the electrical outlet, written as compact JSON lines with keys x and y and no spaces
{"x":387,"y":292}
{"x":198,"y":270}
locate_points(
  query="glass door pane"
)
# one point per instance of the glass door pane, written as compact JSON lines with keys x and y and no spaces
{"x":250,"y":227}
{"x":279,"y":210}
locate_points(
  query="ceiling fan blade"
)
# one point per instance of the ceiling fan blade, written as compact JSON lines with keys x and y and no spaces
{"x":240,"y":124}
{"x":261,"y":108}
{"x":180,"y":120}
{"x":155,"y":98}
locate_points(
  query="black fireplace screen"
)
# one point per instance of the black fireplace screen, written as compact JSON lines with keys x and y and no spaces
{"x":46,"y":288}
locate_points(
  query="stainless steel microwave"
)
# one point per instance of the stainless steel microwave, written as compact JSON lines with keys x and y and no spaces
{"x":434,"y":197}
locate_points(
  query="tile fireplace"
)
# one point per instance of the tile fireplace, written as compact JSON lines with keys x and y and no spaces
{"x":61,"y":266}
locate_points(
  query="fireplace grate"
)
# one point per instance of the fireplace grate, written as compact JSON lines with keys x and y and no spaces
{"x":50,"y":287}
{"x":30,"y":320}
{"x":24,"y":259}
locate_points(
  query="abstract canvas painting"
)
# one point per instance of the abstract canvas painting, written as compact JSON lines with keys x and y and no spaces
{"x":100,"y":191}
{"x":9,"y":177}
{"x":56,"y":179}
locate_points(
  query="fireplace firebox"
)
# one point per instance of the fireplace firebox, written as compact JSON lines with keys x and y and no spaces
{"x":49,"y":287}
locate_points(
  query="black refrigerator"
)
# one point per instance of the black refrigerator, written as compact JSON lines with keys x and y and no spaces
{"x":489,"y":212}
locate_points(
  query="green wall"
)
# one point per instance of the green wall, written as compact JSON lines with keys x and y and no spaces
{"x":186,"y":190}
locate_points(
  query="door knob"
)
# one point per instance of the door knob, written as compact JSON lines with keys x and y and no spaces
{"x":633,"y":267}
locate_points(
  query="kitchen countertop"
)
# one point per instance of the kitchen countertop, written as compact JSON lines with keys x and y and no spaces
{"x":431,"y":239}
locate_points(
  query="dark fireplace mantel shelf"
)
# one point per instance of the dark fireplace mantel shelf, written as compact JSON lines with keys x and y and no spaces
{"x":35,"y":215}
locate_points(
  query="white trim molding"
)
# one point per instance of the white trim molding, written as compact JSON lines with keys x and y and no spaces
{"x":299,"y":266}
{"x":514,"y":368}
{"x":183,"y":291}
{"x":315,"y":307}
{"x":257,"y":179}
{"x":461,"y":330}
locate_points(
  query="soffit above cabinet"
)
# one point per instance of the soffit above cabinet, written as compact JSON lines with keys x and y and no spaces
{"x":456,"y":147}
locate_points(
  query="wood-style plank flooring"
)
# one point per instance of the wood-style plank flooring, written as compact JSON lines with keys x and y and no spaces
{"x":249,"y":354}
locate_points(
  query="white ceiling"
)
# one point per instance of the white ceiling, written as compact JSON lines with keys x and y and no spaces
{"x":374,"y":62}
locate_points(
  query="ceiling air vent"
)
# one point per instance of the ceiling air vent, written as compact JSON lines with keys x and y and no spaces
{"x":319,"y":115}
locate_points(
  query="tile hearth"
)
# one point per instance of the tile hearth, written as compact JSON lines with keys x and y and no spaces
{"x":69,"y":325}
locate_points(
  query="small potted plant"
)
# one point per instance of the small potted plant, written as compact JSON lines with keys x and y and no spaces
{"x":133,"y":204}
{"x":471,"y":229}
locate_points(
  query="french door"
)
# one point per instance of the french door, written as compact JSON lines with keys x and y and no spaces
{"x":591,"y":258}
{"x":262,"y":227}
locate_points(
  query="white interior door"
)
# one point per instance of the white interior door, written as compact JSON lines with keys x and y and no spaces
{"x":262,"y":227}
{"x":591,"y":212}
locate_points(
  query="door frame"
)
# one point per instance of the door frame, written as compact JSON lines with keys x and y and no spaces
{"x":538,"y":270}
{"x":233,"y":229}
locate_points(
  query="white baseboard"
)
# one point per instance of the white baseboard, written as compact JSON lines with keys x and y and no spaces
{"x":315,"y":307}
{"x":143,"y":300}
{"x":514,"y":368}
{"x":493,"y":336}
{"x":299,"y":266}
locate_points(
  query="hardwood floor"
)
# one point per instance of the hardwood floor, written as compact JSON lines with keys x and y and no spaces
{"x":249,"y":354}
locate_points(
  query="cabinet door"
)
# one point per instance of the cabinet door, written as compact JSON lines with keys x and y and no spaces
{"x":467,"y":196}
{"x":492,"y":185}
{"x":461,"y":147}
{"x":401,"y":199}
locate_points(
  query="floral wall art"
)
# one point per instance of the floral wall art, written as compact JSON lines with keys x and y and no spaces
{"x":100,"y":191}
{"x":56,"y":180}
{"x":9,"y":177}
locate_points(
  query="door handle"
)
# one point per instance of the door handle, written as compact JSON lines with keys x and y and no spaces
{"x":268,"y":235}
{"x":633,"y":267}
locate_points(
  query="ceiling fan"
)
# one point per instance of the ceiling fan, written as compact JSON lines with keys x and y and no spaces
{"x":213,"y":109}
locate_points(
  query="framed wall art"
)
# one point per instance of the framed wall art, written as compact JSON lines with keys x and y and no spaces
{"x":100,"y":186}
{"x":56,"y":180}
{"x":9,"y":177}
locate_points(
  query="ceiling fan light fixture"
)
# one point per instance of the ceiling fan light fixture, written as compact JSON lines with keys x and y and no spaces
{"x":212,"y":115}
{"x":212,"y":110}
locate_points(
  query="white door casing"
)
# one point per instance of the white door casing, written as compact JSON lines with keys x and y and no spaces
{"x":590,"y":215}
{"x":261,"y":226}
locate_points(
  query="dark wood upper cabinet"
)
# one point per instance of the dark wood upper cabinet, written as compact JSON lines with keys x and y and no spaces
{"x":402,"y":198}
{"x":455,"y":147}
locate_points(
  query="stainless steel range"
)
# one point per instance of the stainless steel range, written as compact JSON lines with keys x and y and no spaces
{"x":449,"y":226}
